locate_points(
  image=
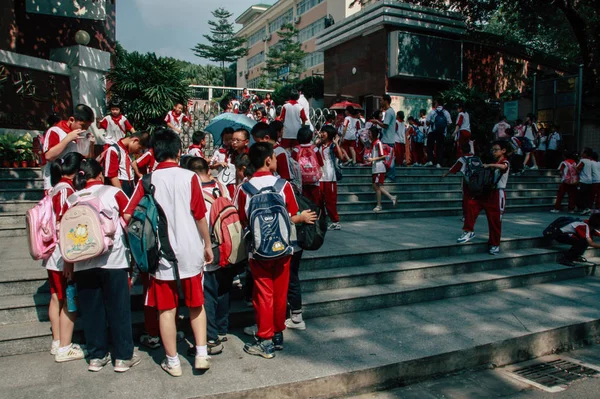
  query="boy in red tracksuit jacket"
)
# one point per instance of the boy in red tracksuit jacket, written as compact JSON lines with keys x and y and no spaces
{"x":310,"y":191}
{"x":271,"y":277}
{"x":493,"y":203}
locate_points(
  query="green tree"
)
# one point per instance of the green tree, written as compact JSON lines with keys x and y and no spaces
{"x":223,"y":46}
{"x":148,"y":86}
{"x":285,"y":60}
{"x":231,"y":78}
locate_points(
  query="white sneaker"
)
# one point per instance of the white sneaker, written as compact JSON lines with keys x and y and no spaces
{"x":534,"y":167}
{"x":394,"y":201}
{"x":122,"y":366}
{"x":175,"y":371}
{"x":377,"y":209}
{"x":438,"y":166}
{"x":428,"y":164}
{"x":202,"y":362}
{"x":74,"y":353}
{"x":289,"y":323}
{"x":466,"y":236}
{"x":251,"y":330}
{"x":416,"y":164}
{"x":98,"y":364}
{"x":494,"y":250}
{"x":554,"y":211}
{"x":334,"y":226}
{"x":54,"y":347}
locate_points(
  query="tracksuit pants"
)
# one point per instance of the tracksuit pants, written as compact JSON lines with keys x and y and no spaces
{"x":586,"y":192}
{"x":435,"y":148}
{"x":269,"y":297}
{"x":563,"y":189}
{"x":399,"y":153}
{"x":493,"y":204}
{"x":217,"y":285}
{"x":578,"y":245}
{"x":329,"y":193}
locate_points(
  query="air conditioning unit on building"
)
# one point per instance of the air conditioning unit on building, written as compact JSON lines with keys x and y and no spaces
{"x":297,"y":20}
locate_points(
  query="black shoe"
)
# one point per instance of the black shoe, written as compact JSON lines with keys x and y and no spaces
{"x":278,"y":341}
{"x":260,"y":347}
{"x":566,"y":261}
{"x":214,"y":347}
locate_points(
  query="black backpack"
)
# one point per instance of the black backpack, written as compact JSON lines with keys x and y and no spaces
{"x":479,"y":180}
{"x":553,"y":228}
{"x":440,"y":123}
{"x":311,"y":236}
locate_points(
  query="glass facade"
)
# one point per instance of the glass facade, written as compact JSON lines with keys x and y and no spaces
{"x":311,"y":30}
{"x":306,"y":5}
{"x":281,"y":20}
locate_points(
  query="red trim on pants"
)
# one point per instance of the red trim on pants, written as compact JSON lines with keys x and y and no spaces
{"x":571,"y":189}
{"x":150,"y":313}
{"x":493,"y":205}
{"x":313,"y":193}
{"x":400,"y":153}
{"x":269,"y":296}
{"x":329,"y":192}
{"x":463,"y":138}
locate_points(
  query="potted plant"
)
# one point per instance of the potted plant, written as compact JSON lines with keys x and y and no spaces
{"x":7,"y":149}
{"x":24,"y":149}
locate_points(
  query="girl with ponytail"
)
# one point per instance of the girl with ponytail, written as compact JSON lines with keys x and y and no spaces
{"x":62,"y":172}
{"x":103,"y":281}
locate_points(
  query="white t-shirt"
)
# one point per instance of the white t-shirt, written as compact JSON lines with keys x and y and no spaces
{"x":400,"y":134}
{"x":595,"y":172}
{"x":553,"y":141}
{"x":328,"y":167}
{"x":464,"y":120}
{"x":292,"y":119}
{"x":500,"y":130}
{"x":117,"y":257}
{"x":585,"y":175}
{"x":224,"y":175}
{"x":377,"y":151}
{"x":115,"y":131}
{"x":389,"y":119}
{"x":352,"y":126}
{"x":543,"y":144}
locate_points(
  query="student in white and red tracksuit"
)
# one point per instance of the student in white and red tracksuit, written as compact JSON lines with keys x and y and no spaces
{"x":63,"y":171}
{"x":118,"y":167}
{"x":115,"y":125}
{"x":310,"y":191}
{"x":493,"y":203}
{"x":271,"y":278}
{"x":462,"y":132}
{"x":330,"y":152}
{"x":461,"y":166}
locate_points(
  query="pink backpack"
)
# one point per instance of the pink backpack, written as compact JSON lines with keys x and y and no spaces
{"x":41,"y":226}
{"x":87,"y":230}
{"x":388,"y":152}
{"x":309,"y":165}
{"x":571,"y":175}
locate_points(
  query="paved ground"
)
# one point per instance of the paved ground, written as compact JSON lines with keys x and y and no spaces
{"x":487,"y":384}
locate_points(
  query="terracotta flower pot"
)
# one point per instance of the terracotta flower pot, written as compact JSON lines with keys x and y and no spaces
{"x":6,"y":163}
{"x":15,"y":164}
{"x":23,"y":164}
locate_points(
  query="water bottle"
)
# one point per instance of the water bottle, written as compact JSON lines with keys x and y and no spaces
{"x":71,"y":295}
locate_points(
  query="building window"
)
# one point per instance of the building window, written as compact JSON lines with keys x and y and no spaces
{"x":281,"y":20}
{"x":256,"y":37}
{"x":255,"y":60}
{"x":313,"y":59}
{"x":311,"y":30}
{"x":306,"y":5}
{"x":254,"y":83}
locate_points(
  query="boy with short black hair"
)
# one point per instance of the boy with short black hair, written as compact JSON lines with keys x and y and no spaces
{"x":175,"y":118}
{"x":579,"y":235}
{"x":198,"y":144}
{"x":118,"y":167}
{"x":261,"y":132}
{"x":178,"y":192}
{"x":61,"y":138}
{"x":271,"y":277}
{"x":115,"y":125}
{"x":310,"y":191}
{"x":493,"y":203}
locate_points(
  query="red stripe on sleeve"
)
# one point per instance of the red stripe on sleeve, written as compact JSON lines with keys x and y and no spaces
{"x":197,"y":204}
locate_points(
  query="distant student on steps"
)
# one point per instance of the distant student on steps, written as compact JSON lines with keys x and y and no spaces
{"x":115,"y":125}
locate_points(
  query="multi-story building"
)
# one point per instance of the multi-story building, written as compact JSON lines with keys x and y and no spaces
{"x":261,"y":22}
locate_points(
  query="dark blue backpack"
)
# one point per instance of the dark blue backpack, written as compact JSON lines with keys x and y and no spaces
{"x":440,"y":123}
{"x":147,"y":233}
{"x":269,"y":222}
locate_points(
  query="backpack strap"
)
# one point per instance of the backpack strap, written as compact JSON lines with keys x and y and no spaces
{"x":249,"y":188}
{"x":279,"y":184}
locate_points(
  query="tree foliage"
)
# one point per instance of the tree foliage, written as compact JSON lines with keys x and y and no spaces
{"x":313,"y":88}
{"x":146,"y":85}
{"x":285,"y":60}
{"x":223,"y":46}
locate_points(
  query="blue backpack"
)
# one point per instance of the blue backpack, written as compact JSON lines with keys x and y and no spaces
{"x":440,"y":123}
{"x":268,"y":222}
{"x":147,"y":233}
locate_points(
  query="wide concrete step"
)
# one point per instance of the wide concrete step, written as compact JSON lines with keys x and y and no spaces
{"x":404,"y":171}
{"x":20,"y":173}
{"x":12,"y":218}
{"x":17,"y":206}
{"x":13,"y":230}
{"x":11,"y":194}
{"x":393,"y":213}
{"x":449,"y":194}
{"x":22,"y":183}
{"x":434,"y":204}
{"x":366,"y":186}
{"x":349,"y":179}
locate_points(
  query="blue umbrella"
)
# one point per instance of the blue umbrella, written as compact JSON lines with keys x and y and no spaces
{"x":228,"y":119}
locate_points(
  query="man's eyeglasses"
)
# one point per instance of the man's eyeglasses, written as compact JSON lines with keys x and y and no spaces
{"x":236,"y":140}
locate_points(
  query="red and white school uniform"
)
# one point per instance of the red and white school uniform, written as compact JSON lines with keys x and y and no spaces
{"x":55,"y":264}
{"x":565,"y":188}
{"x":115,"y":128}
{"x":118,"y":164}
{"x":293,"y":117}
{"x":271,"y":278}
{"x":283,"y":162}
{"x":493,"y":204}
{"x":596,"y":183}
{"x":464,"y":133}
{"x":310,"y":191}
{"x":175,"y":120}
{"x":329,"y":182}
{"x":461,"y":166}
{"x":178,"y":191}
{"x":352,"y":126}
{"x":147,"y":161}
{"x":400,"y":143}
{"x":225,"y":175}
{"x":378,"y":167}
{"x":195,"y":151}
{"x":53,"y":137}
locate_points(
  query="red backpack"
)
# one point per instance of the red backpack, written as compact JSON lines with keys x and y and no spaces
{"x":388,"y":152}
{"x":571,"y":175}
{"x":227,"y":230}
{"x":309,"y":165}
